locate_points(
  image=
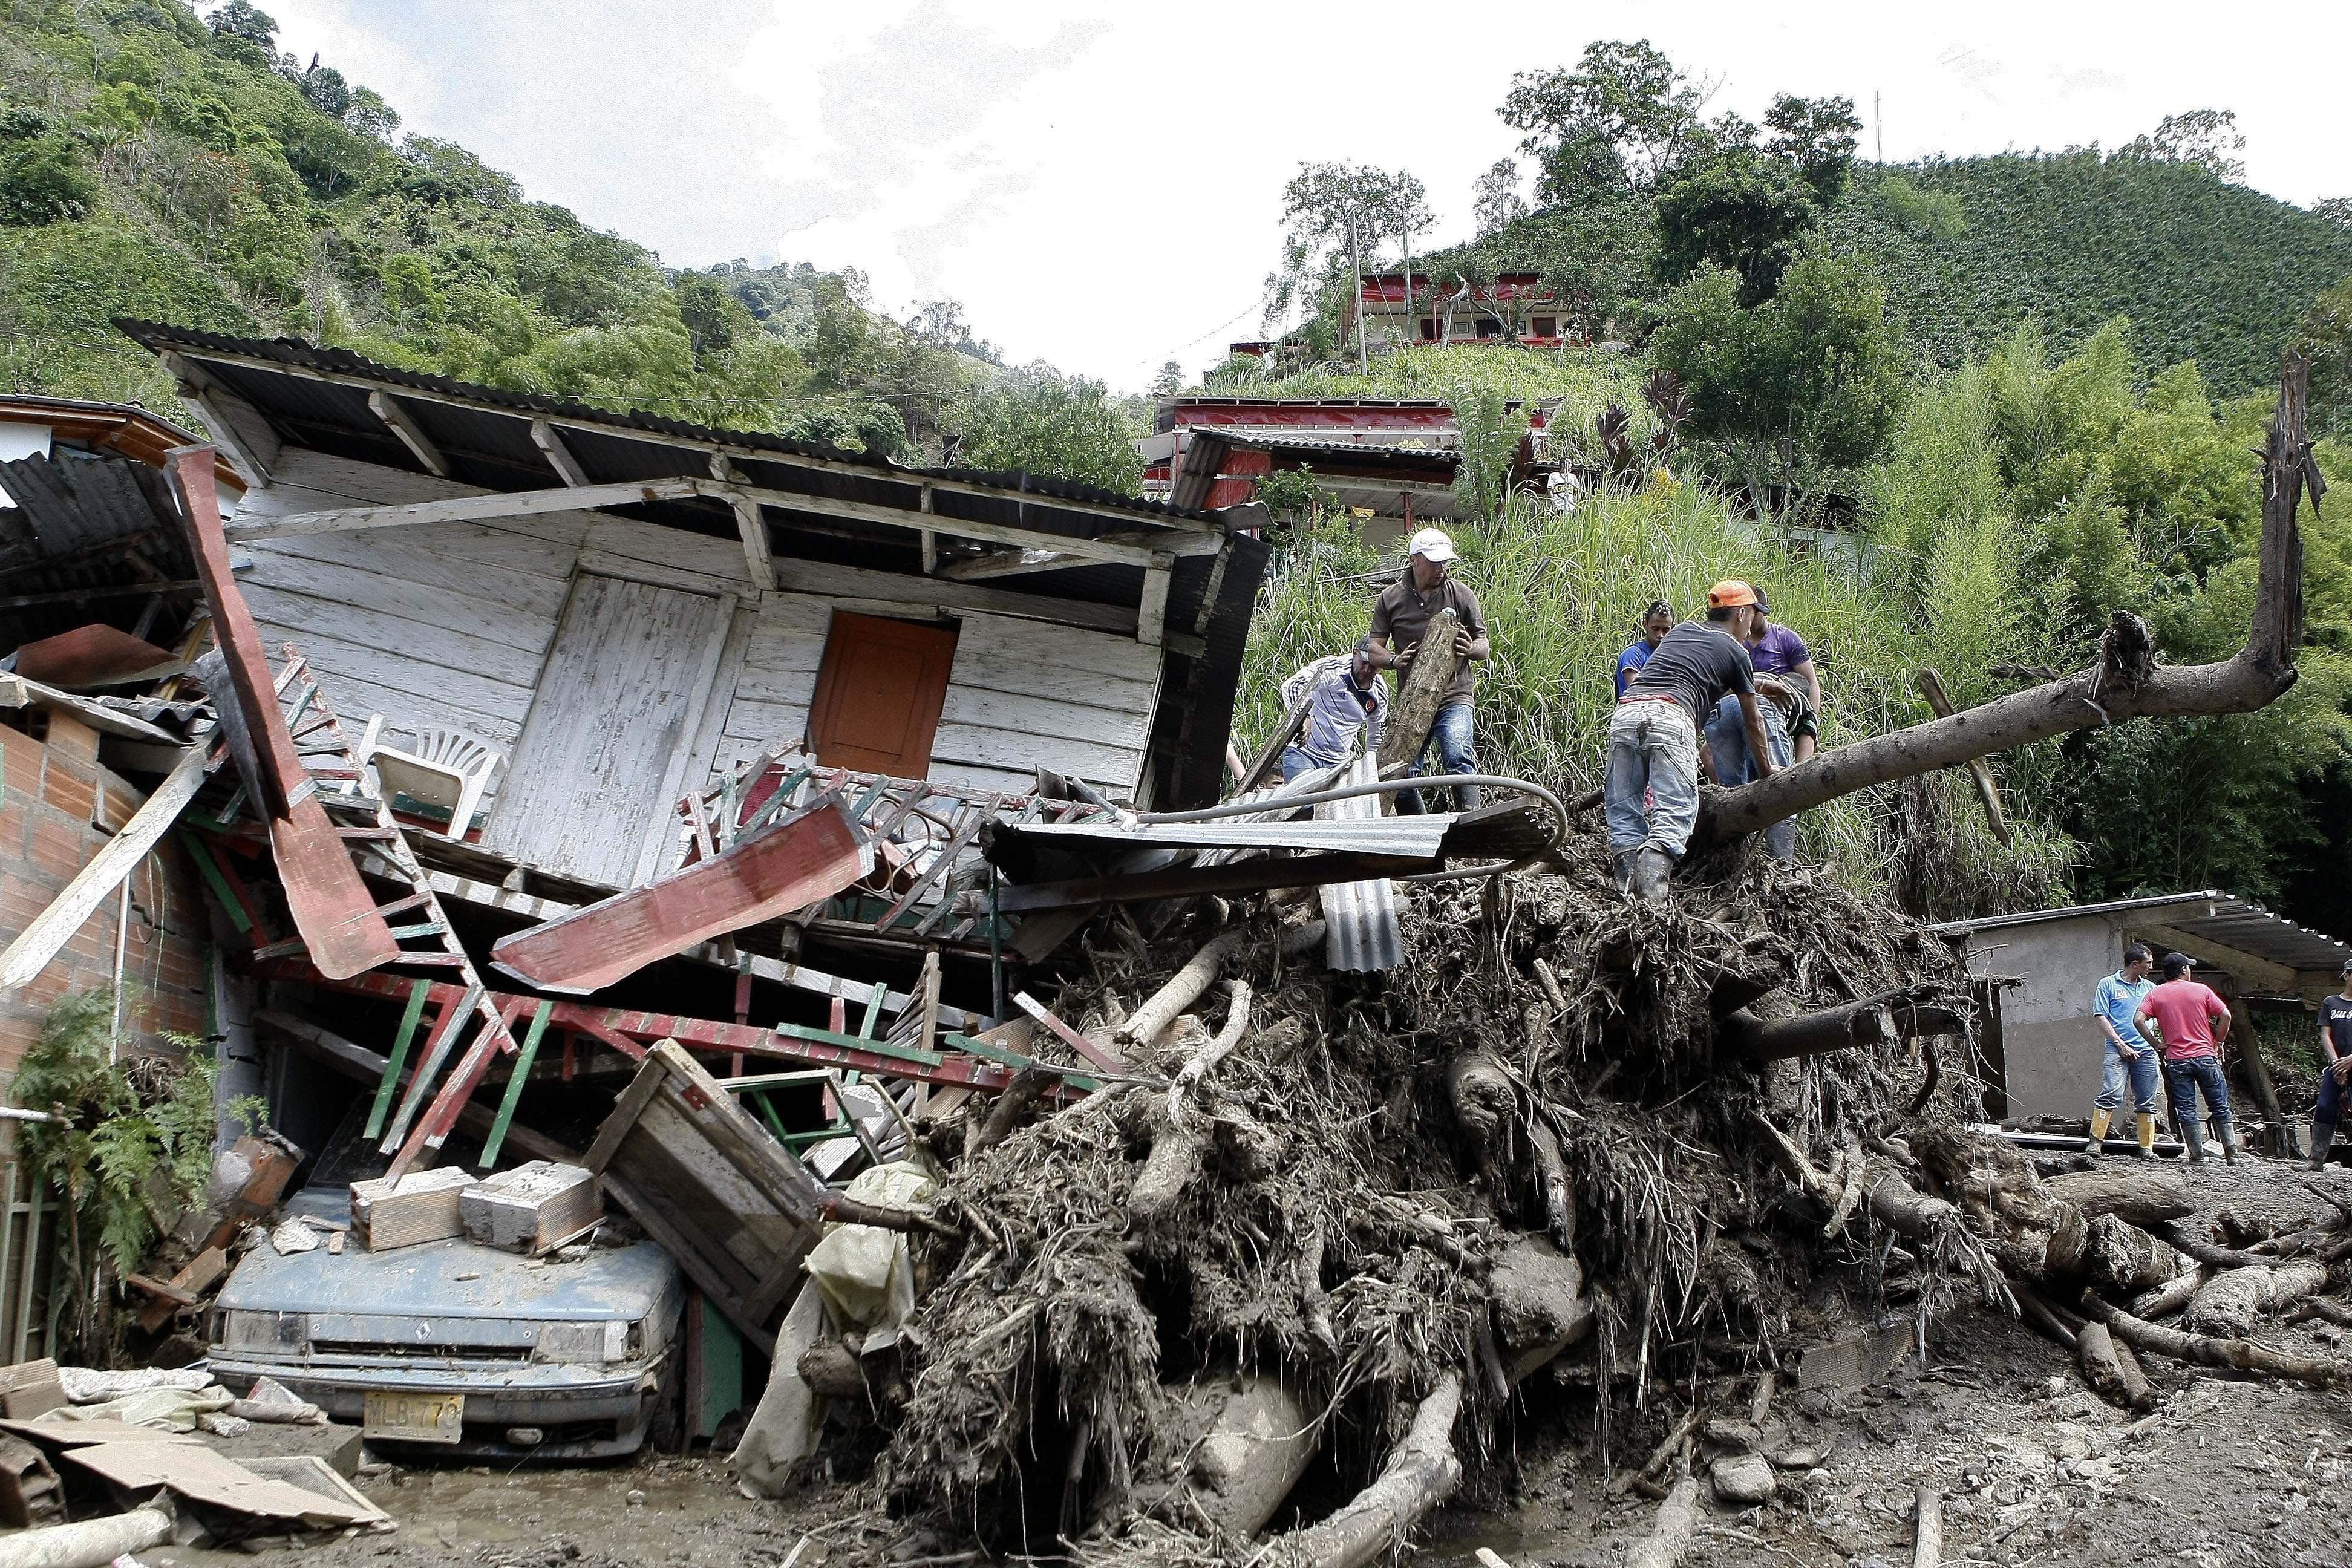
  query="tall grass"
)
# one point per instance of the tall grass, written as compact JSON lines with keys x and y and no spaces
{"x":1562,"y":592}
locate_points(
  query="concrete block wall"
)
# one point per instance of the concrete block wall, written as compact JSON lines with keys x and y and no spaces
{"x":58,"y":806}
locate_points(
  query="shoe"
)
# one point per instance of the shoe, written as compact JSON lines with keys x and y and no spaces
{"x":1621,"y":870}
{"x":1653,"y":871}
{"x":2098,"y":1143}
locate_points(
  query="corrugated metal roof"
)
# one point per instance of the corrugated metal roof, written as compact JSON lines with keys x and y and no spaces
{"x":1359,"y":920}
{"x":84,"y":523}
{"x":2220,"y":918}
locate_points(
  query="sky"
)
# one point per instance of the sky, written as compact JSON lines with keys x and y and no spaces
{"x":1101,"y":186}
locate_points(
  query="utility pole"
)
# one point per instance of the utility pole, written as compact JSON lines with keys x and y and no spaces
{"x":1878,"y":122}
{"x":1356,"y":248}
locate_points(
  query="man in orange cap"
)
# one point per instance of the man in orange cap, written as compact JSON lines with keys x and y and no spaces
{"x":1653,"y":737}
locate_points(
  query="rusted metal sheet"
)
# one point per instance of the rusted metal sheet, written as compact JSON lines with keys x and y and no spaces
{"x":331,"y":905}
{"x":764,"y":877}
{"x":1359,"y":919}
{"x":94,"y":655}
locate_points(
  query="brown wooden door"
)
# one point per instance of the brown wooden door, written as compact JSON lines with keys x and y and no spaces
{"x":878,"y":694}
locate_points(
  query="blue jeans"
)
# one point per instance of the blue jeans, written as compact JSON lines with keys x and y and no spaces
{"x":1295,"y":761}
{"x":1449,"y":736}
{"x":1726,"y":740}
{"x":2182,"y":1079}
{"x":2142,"y":1072}
{"x":2331,"y":1097}
{"x":1653,"y":750}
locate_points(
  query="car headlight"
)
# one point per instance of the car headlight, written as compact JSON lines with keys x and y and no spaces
{"x":268,"y":1334}
{"x":583,"y":1343}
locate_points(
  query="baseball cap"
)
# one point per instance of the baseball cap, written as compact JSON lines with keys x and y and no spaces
{"x":1432,"y":544}
{"x":2347,"y":966}
{"x":1728,"y":594}
{"x":2179,"y":961}
{"x":1762,"y":603}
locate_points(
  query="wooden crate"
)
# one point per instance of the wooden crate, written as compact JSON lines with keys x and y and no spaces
{"x":729,"y":1202}
{"x":533,"y":1208}
{"x":417,"y":1207}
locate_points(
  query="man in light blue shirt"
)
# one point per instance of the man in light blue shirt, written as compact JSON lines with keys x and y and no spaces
{"x":1345,"y":697}
{"x":2128,"y":1055}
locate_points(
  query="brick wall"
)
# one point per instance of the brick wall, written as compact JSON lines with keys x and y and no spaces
{"x":57,"y":807}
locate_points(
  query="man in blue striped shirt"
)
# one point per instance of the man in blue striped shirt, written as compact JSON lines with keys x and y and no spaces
{"x":1344,"y":695}
{"x":2116,"y":1005}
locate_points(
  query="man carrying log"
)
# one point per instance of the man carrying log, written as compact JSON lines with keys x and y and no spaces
{"x":1400,"y":618}
{"x":2116,"y":1005}
{"x":1654,"y":738}
{"x":1345,"y":697}
{"x":2336,"y":1050}
{"x":2189,"y":1019}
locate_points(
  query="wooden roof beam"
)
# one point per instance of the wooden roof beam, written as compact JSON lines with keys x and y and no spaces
{"x":686,"y":443}
{"x":2245,"y":967}
{"x":550,"y":444}
{"x":758,"y":560}
{"x":1017,"y":562}
{"x":238,"y":427}
{"x":1119,"y":549}
{"x":420,"y":446}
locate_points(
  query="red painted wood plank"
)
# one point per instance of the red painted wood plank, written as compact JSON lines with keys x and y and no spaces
{"x":432,"y":1128}
{"x":812,"y":856}
{"x":331,"y":906}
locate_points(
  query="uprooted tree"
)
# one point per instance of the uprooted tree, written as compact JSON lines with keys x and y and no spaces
{"x":1331,"y":1240}
{"x":2125,"y":683}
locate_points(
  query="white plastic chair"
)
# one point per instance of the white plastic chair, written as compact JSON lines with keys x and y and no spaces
{"x":445,"y":769}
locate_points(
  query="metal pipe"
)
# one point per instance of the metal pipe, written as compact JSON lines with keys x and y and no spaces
{"x":1349,"y":792}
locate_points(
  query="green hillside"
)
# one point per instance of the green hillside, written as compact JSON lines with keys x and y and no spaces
{"x":2205,"y":269}
{"x":157,"y":164}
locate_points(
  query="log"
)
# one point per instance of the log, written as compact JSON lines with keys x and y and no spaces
{"x":2238,"y":1299}
{"x":1313,"y":1302}
{"x":2317,"y":1306}
{"x":2142,"y":1196}
{"x":1420,"y":689}
{"x":2213,"y":1254}
{"x":2138,"y":1390}
{"x":1535,"y":1296}
{"x":1486,"y":1104}
{"x":831,"y":1371}
{"x":2241,"y":1355}
{"x":1927,"y":1529}
{"x":1420,"y":1473}
{"x":2126,"y":683}
{"x":1019,"y":1095}
{"x":91,"y":1543}
{"x":2172,"y":1295}
{"x":1184,"y":989}
{"x":1670,"y":1537}
{"x":2094,"y":1352}
{"x":1204,"y":1061}
{"x":1168,"y":1170}
{"x":1551,"y":1170}
{"x":1903,"y":1209}
{"x":1878,"y":1020}
{"x":1931,"y":686}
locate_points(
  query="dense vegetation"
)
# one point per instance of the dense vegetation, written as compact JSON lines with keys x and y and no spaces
{"x":155,"y":164}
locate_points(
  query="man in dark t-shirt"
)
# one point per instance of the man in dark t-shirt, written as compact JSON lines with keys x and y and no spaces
{"x":1400,"y":618}
{"x":1653,"y":747}
{"x":2336,"y":1050}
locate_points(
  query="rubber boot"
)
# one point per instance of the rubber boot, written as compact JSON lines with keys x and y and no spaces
{"x":2146,"y":1148}
{"x":2227,"y":1139}
{"x":2322,"y":1134}
{"x":2098,"y":1143}
{"x":1653,"y":869}
{"x":2192,"y":1138}
{"x":1621,"y":870}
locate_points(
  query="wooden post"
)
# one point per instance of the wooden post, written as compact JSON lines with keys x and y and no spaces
{"x":1421,"y":690}
{"x":2278,"y":1132}
{"x":1931,"y":686}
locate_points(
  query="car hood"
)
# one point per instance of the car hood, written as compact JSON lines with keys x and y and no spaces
{"x":453,"y":1279}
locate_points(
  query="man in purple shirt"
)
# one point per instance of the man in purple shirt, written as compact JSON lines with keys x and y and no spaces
{"x":1782,"y":652}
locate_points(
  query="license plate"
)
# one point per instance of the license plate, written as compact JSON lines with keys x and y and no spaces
{"x":414,"y":1417}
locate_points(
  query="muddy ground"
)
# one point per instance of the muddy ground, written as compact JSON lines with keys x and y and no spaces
{"x":2032,"y":1466}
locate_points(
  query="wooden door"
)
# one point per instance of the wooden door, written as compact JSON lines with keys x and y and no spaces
{"x":879,"y":691}
{"x":615,"y":708}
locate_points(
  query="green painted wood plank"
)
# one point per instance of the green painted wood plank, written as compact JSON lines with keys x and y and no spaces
{"x":211,"y":872}
{"x":400,"y":1044}
{"x":855,"y":1043}
{"x":515,"y":1080}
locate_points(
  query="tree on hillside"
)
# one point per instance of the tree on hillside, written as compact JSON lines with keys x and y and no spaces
{"x":241,"y":19}
{"x":1624,"y":120}
{"x":1741,"y":211}
{"x":2207,"y":138}
{"x":1333,"y":211}
{"x":1814,"y":137}
{"x":2326,"y":336}
{"x":1813,"y":380}
{"x":1039,"y":421}
{"x":1494,"y":199}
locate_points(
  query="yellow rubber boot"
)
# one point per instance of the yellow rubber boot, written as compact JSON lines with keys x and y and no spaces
{"x":2146,"y":1134}
{"x":2099,"y":1119}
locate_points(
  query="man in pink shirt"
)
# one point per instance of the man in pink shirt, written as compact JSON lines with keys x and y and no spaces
{"x":2188,"y":1020}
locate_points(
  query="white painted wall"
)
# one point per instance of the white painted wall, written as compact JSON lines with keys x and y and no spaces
{"x":451,"y":624}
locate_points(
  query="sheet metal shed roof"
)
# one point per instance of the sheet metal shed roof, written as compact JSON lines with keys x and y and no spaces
{"x":2220,"y":918}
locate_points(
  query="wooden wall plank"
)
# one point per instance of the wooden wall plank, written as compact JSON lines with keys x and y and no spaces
{"x":927,"y":595}
{"x":421,"y":682}
{"x":1019,"y":754}
{"x":303,"y":619}
{"x":1004,"y":653}
{"x":355,"y":699}
{"x":1042,"y":716}
{"x":411,"y":576}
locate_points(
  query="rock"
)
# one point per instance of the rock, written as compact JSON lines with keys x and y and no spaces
{"x":1797,"y":1459}
{"x":1744,"y":1481}
{"x":1857,"y":1360}
{"x":636,"y":1498}
{"x":1734,"y":1436}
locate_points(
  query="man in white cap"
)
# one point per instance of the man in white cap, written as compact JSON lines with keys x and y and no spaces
{"x":1400,"y":619}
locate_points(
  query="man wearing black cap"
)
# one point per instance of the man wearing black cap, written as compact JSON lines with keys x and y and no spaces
{"x":2189,"y":1019}
{"x":2335,"y":1049}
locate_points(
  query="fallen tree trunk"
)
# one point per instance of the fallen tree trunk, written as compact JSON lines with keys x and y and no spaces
{"x":1873,"y":1021}
{"x":91,"y":1543}
{"x":2094,"y":1352}
{"x":2172,"y":1295}
{"x":2143,"y":1197}
{"x":1670,"y":1537}
{"x":2235,"y":1301}
{"x":1421,"y":690}
{"x":2241,"y":1355}
{"x":1183,"y":990}
{"x":1927,"y":1537}
{"x":1421,"y":1474}
{"x":2127,"y":682}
